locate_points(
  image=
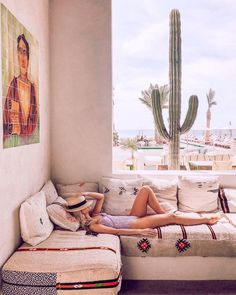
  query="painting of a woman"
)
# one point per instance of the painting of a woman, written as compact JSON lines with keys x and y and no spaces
{"x":20,"y":81}
{"x":20,"y":112}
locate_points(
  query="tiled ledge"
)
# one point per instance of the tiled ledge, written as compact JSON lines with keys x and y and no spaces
{"x":226,"y":178}
{"x":171,"y":172}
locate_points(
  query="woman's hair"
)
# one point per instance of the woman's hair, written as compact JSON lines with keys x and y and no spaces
{"x":22,"y":37}
{"x":84,"y":222}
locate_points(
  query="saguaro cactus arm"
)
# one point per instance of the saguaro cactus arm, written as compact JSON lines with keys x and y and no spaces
{"x":191,"y":114}
{"x":173,"y":136}
{"x":157,"y":114}
{"x":175,"y":72}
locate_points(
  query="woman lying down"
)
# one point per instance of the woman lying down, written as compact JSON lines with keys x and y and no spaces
{"x":137,"y":222}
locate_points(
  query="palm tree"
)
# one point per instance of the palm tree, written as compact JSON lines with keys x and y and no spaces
{"x":115,"y":136}
{"x":130,"y":144}
{"x":211,"y":102}
{"x":146,"y":99}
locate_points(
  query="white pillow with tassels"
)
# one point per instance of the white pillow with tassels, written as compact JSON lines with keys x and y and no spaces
{"x":50,"y":192}
{"x":119,"y":194}
{"x":34,"y":220}
{"x":67,"y":190}
{"x":198,"y":193}
{"x":59,"y":216}
{"x":227,"y":198}
{"x":166,"y":192}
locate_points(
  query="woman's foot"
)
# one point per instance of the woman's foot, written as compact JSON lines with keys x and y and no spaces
{"x":214,"y":218}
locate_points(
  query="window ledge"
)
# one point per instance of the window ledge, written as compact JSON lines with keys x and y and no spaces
{"x":170,"y":172}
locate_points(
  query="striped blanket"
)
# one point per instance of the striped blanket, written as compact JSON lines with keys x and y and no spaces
{"x":217,"y":240}
{"x":66,"y":261}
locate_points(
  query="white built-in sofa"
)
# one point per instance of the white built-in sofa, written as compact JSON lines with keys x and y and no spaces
{"x":92,"y":264}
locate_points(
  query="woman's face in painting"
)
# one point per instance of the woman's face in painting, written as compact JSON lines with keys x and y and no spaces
{"x":23,"y":58}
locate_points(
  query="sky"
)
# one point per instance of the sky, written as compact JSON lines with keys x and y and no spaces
{"x":140,"y":49}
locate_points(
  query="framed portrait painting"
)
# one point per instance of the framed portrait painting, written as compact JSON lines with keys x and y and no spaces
{"x":20,"y":80}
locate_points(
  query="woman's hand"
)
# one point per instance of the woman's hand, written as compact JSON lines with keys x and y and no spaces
{"x":148,"y":232}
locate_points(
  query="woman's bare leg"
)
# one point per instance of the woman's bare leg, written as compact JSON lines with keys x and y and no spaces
{"x":153,"y":221}
{"x":145,"y":197}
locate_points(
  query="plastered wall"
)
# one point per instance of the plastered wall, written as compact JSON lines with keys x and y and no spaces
{"x":81,"y":89}
{"x":24,"y":169}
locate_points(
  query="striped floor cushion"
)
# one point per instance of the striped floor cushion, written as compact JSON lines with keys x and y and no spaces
{"x":65,"y":262}
{"x":218,"y":240}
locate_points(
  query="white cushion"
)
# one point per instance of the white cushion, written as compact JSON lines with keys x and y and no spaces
{"x":165,"y":191}
{"x":119,"y":194}
{"x":67,"y":190}
{"x":61,"y":217}
{"x":50,"y":192}
{"x":37,"y":272}
{"x":198,"y":193}
{"x":34,"y":221}
{"x":227,"y":197}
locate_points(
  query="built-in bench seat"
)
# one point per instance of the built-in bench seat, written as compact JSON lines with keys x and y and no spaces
{"x":69,"y":260}
{"x":204,"y":240}
{"x":64,"y":262}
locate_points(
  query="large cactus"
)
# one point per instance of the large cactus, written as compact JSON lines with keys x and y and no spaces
{"x":173,"y":136}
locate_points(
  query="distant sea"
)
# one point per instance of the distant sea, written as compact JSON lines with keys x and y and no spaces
{"x":149,"y":133}
{"x":131,"y":133}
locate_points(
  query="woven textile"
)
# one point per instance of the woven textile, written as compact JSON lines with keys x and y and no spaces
{"x":218,"y":240}
{"x":64,"y":262}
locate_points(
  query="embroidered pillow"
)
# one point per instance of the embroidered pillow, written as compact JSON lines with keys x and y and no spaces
{"x":50,"y":192}
{"x":198,"y":193}
{"x":119,"y":194}
{"x":165,"y":191}
{"x":61,"y":217}
{"x":34,"y":221}
{"x":67,"y":190}
{"x":227,"y":198}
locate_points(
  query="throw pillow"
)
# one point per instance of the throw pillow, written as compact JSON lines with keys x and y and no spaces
{"x":67,"y":190}
{"x":61,"y":217}
{"x":34,"y":221}
{"x":119,"y":194}
{"x":50,"y":192}
{"x":165,"y":191}
{"x":198,"y":193}
{"x":227,"y":198}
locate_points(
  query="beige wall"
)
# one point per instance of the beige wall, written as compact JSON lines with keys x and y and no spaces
{"x":24,"y":169}
{"x":81,"y":89}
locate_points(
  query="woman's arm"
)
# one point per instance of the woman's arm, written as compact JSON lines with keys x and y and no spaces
{"x":99,"y":201}
{"x":99,"y":228}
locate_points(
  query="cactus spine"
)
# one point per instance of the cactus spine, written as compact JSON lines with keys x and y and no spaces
{"x":175,"y":130}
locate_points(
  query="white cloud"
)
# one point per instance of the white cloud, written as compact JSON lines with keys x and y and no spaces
{"x":147,"y":41}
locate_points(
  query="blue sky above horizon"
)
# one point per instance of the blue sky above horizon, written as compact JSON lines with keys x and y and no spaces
{"x":140,"y":56}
